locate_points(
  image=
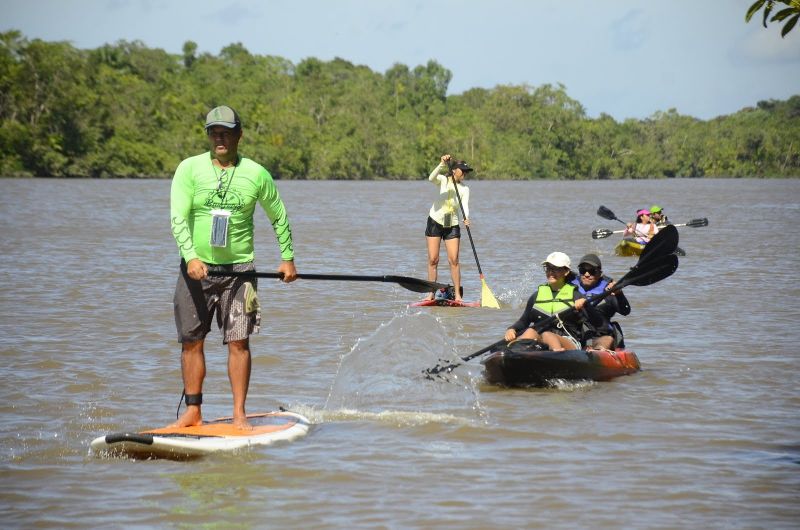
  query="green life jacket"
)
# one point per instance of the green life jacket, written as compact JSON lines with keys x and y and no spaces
{"x":546,"y":303}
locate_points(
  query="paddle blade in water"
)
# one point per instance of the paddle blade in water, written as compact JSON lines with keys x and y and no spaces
{"x":487,"y":298}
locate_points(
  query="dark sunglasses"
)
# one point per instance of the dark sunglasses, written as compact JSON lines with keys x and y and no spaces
{"x":591,"y":270}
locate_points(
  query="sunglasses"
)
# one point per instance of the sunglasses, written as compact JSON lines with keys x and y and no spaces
{"x":588,"y":270}
{"x":553,"y":268}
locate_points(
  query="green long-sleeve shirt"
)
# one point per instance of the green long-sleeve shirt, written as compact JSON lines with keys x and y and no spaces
{"x":199,"y":187}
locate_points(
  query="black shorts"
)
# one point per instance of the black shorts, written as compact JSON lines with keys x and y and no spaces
{"x":434,"y":229}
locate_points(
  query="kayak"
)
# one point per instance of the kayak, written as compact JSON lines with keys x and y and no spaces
{"x":526,"y":363}
{"x":183,"y":443}
{"x":627,"y":247}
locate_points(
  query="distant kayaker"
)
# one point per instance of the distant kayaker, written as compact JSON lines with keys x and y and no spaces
{"x":213,"y":198}
{"x":643,"y":230}
{"x":658,"y":216}
{"x":551,"y":298}
{"x":443,"y":219}
{"x":591,"y":282}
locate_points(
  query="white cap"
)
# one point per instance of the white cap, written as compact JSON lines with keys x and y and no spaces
{"x":558,"y":259}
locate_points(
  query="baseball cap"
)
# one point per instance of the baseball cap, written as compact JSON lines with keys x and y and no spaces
{"x":463,"y":166}
{"x":643,"y":212}
{"x":557,"y":259}
{"x":655,"y":208}
{"x":224,"y":116}
{"x":591,"y":259}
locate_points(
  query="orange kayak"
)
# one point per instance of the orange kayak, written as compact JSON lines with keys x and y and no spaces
{"x":526,"y":363}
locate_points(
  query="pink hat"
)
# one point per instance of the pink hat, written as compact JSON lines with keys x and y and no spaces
{"x":643,"y":212}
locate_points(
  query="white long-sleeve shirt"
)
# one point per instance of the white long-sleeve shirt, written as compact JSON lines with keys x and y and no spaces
{"x":446,"y":205}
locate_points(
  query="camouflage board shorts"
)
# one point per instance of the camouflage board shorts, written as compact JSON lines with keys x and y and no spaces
{"x":233,"y":299}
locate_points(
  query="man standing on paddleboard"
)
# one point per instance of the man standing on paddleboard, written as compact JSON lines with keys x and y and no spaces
{"x":212,"y":202}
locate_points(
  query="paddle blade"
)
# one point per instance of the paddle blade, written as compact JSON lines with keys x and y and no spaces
{"x":487,"y":298}
{"x":657,"y":269}
{"x":415,"y":284}
{"x":605,"y":213}
{"x":697,"y":223}
{"x":601,"y":233}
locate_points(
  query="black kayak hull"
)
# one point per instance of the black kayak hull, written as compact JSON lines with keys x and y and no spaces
{"x":539,"y":368}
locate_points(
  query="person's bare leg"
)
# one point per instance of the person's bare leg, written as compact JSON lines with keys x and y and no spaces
{"x":433,"y":261}
{"x":553,"y":341}
{"x":239,"y":364}
{"x":193,"y":368}
{"x":529,"y":333}
{"x":452,"y":246}
{"x":603,"y":342}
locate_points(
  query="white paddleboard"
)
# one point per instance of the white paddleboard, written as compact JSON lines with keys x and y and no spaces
{"x":210,"y":437}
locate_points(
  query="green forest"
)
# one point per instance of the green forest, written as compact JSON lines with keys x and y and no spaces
{"x":128,"y":111}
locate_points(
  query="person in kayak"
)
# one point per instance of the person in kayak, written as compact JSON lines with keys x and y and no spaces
{"x":443,"y":219}
{"x":212,"y":201}
{"x":553,"y":298}
{"x":658,"y":216}
{"x":643,"y":230}
{"x":591,"y":282}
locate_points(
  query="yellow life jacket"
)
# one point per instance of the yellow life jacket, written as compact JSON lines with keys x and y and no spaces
{"x":547,"y":303}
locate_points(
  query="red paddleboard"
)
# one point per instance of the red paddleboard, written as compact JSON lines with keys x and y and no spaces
{"x":444,"y":303}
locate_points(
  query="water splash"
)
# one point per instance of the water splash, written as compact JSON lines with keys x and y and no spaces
{"x":380,"y":378}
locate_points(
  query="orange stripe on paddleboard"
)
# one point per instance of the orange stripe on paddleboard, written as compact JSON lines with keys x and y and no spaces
{"x":224,"y":429}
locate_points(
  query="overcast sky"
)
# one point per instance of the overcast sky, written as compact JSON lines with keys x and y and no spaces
{"x":626,"y":58}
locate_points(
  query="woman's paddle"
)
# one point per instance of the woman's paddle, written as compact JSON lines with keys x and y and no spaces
{"x":656,"y":263}
{"x":605,"y":213}
{"x":487,"y":298}
{"x":602,"y":233}
{"x":412,"y":284}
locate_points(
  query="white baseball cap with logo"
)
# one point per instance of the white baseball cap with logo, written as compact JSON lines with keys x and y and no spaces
{"x":557,"y":259}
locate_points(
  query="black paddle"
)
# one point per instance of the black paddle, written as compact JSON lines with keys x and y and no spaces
{"x":605,"y":213}
{"x":656,"y":263}
{"x":602,"y":233}
{"x":487,"y":297}
{"x":412,"y":284}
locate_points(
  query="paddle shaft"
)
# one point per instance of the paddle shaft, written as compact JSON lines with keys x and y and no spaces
{"x":464,"y":215}
{"x":696,"y":223}
{"x":433,"y":286}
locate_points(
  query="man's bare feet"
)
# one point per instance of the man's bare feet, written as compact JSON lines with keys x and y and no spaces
{"x":190,"y":418}
{"x":240,"y":422}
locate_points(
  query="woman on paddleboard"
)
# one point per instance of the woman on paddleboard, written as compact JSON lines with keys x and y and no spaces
{"x":443,"y":218}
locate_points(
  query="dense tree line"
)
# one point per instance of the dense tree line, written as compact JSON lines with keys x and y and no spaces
{"x":126,"y":110}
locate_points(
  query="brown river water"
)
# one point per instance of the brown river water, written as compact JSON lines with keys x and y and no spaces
{"x":706,"y":436}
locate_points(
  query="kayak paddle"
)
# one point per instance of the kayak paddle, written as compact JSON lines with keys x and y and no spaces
{"x":602,"y":233}
{"x":412,"y":284}
{"x":655,"y":263}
